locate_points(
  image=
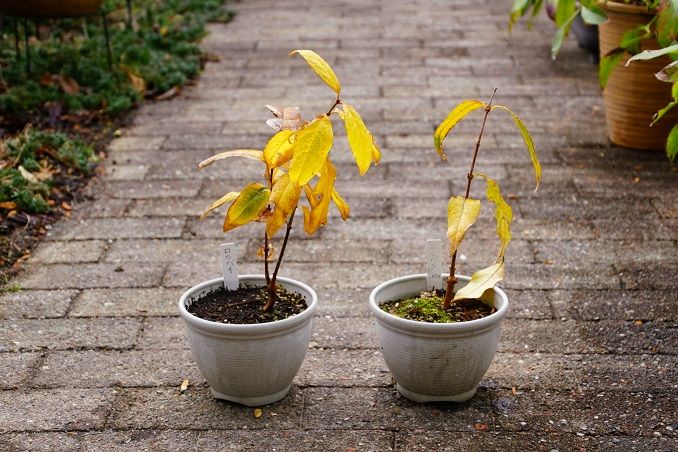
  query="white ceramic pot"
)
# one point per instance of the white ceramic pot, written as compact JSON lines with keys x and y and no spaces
{"x":435,"y":361}
{"x":249,"y":364}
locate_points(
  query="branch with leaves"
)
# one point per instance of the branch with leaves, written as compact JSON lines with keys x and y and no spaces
{"x":297,"y":160}
{"x":462,"y":212}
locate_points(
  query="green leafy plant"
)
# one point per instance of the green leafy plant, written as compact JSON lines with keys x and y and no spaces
{"x":564,"y":13}
{"x":29,"y":164}
{"x":295,"y":156}
{"x":667,"y":74}
{"x":662,"y":28}
{"x":69,"y":63}
{"x":463,"y":211}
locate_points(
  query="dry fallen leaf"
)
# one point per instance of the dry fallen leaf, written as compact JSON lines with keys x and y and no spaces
{"x":481,"y":427}
{"x":170,"y":93}
{"x":8,"y":205}
{"x":258,"y":412}
{"x":184,"y":385}
{"x":27,"y":175}
{"x":68,"y":85}
{"x":66,"y":206}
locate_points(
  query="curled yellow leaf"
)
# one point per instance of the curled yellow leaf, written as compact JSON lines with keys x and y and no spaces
{"x":360,"y":139}
{"x":247,"y":207}
{"x":316,"y":216}
{"x":457,"y":114}
{"x":342,"y":206}
{"x":252,"y":154}
{"x":481,"y":281}
{"x":502,"y":213}
{"x":284,"y":197}
{"x":321,"y":68}
{"x":311,"y":146}
{"x":228,"y":197}
{"x":461,"y":214}
{"x":528,"y":142}
{"x":279,"y":149}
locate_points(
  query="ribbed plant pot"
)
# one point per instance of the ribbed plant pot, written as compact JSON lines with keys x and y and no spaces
{"x":435,"y":361}
{"x":249,"y":364}
{"x":633,"y":94}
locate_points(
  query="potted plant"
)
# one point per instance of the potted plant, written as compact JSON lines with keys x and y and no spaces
{"x":632,"y":94}
{"x":250,"y":338}
{"x":439,"y":343}
{"x":668,"y":74}
{"x":581,"y":17}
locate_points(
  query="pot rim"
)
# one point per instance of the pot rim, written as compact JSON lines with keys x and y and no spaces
{"x":256,"y":329}
{"x":415,"y":326}
{"x":620,"y":7}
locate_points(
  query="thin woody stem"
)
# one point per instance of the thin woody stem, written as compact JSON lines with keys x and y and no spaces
{"x":271,"y":284}
{"x":266,"y":249}
{"x":452,"y":279}
{"x":336,"y":102}
{"x":271,"y":295}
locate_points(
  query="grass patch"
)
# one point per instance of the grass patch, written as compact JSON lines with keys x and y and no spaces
{"x":75,"y":101}
{"x":70,"y":72}
{"x":31,"y":162}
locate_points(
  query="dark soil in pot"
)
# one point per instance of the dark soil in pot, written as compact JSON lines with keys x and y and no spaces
{"x":245,"y":305}
{"x":428,"y":308}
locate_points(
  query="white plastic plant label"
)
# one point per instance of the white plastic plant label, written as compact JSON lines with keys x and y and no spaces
{"x":229,"y":266}
{"x":434,"y":264}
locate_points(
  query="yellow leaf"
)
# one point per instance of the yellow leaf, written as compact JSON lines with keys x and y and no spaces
{"x":228,"y":197}
{"x":502,"y":213}
{"x":481,"y":281}
{"x":321,"y":68}
{"x":258,"y":412}
{"x":312,"y":199}
{"x":461,"y":214}
{"x":342,"y":206}
{"x":311,"y":146}
{"x":285,"y":197}
{"x":279,"y":149}
{"x":251,"y":154}
{"x":360,"y":139}
{"x":457,"y":114}
{"x":247,"y":206}
{"x":138,"y":83}
{"x":528,"y":142}
{"x":376,"y":155}
{"x":316,"y":216}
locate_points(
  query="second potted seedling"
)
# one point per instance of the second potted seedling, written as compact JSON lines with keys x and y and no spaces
{"x":249,"y":333}
{"x":438,"y":343}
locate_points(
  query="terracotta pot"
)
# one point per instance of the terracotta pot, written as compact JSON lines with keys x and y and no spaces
{"x":49,"y":9}
{"x":633,"y":94}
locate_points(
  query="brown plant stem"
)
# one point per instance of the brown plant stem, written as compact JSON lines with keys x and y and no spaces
{"x":266,"y":272}
{"x":336,"y":102}
{"x":452,"y":279}
{"x":271,"y":296}
{"x":271,"y":285}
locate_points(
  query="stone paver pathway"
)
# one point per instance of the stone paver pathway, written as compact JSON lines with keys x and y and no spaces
{"x":92,"y":351}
